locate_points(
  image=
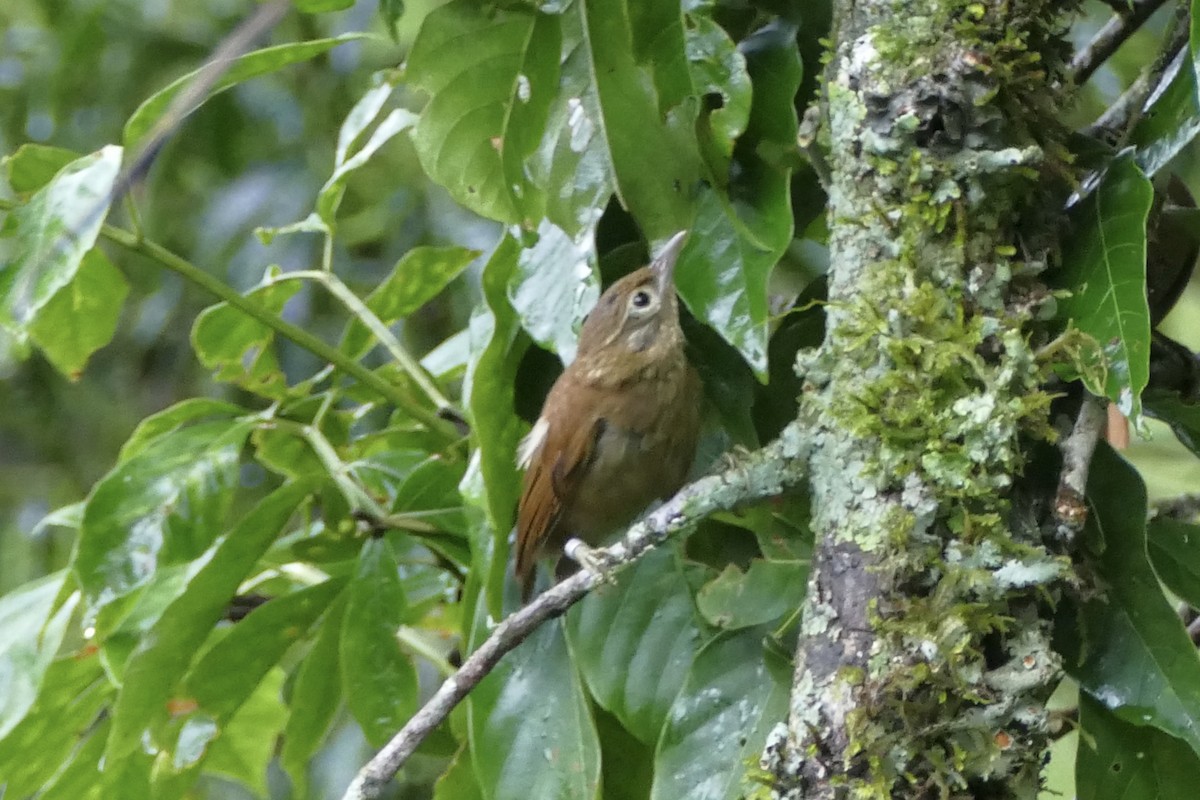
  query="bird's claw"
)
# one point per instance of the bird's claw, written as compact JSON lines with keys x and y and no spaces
{"x":591,"y":559}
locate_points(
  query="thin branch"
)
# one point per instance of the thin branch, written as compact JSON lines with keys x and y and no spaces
{"x":764,"y":473}
{"x":1114,"y":33}
{"x":1070,"y":507}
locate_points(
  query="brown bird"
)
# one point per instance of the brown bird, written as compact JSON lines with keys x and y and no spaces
{"x":619,"y":427}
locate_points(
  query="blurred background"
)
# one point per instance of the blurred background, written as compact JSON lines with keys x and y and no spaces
{"x":72,"y":71}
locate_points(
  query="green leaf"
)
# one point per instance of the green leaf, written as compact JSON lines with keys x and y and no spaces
{"x":316,"y":695}
{"x":164,"y":505}
{"x":1173,"y":121}
{"x":1104,"y":266}
{"x":32,"y":626}
{"x":764,"y":593}
{"x":33,"y":165}
{"x":227,"y":673}
{"x":330,"y":196}
{"x":652,"y":149}
{"x":82,"y":316}
{"x":172,"y":418}
{"x":246,"y":745}
{"x":490,"y":75}
{"x":458,"y":781}
{"x":241,"y":349}
{"x":55,"y":230}
{"x":735,"y":692}
{"x":554,"y":287}
{"x":417,"y":278}
{"x":322,"y":6}
{"x":73,"y":694}
{"x":1174,"y":549}
{"x":378,"y":677}
{"x":1135,"y":657}
{"x":78,"y":776}
{"x":166,"y":651}
{"x":717,"y":66}
{"x":633,"y":642}
{"x":1181,"y":414}
{"x":531,"y":732}
{"x":1121,"y":761}
{"x":492,"y":484}
{"x":739,"y":234}
{"x":243,"y":68}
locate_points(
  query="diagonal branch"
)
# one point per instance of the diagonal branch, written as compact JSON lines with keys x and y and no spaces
{"x":1114,"y":33}
{"x":778,"y":466}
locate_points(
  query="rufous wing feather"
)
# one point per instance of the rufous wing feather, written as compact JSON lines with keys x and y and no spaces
{"x":554,"y":473}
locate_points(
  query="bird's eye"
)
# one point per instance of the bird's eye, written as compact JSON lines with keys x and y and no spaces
{"x":641,"y":300}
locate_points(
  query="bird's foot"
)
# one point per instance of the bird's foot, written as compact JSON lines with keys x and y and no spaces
{"x":594,"y":560}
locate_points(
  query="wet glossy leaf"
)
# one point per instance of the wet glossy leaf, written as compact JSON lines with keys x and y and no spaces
{"x":531,"y":731}
{"x":56,"y":228}
{"x":33,"y":165}
{"x":165,"y":504}
{"x":490,"y":74}
{"x":764,"y":593}
{"x":1104,"y":266}
{"x":246,"y":745}
{"x":416,"y":279}
{"x":739,"y":235}
{"x":243,"y":68}
{"x":241,"y":349}
{"x":1135,"y":657}
{"x":1174,"y":549}
{"x":492,"y":482}
{"x":735,"y":693}
{"x":316,"y":696}
{"x":554,"y":287}
{"x":82,"y":316}
{"x":378,"y":677}
{"x":172,"y":418}
{"x":1173,"y":120}
{"x":166,"y":651}
{"x":1121,"y":761}
{"x":719,"y":68}
{"x":634,"y":640}
{"x":32,"y":626}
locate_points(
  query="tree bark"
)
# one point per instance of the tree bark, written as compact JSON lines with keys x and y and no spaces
{"x":924,"y":659}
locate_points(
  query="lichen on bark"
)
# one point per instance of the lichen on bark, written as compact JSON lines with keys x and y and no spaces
{"x":924,"y":658}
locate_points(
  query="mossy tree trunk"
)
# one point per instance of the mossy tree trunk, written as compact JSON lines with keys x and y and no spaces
{"x":924,"y":660}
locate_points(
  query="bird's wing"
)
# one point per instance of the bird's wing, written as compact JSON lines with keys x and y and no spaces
{"x":551,"y":481}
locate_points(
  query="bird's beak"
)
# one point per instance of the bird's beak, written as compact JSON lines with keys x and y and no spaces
{"x":663,"y":266}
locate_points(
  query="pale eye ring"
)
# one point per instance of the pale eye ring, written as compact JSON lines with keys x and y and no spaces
{"x":641,"y":299}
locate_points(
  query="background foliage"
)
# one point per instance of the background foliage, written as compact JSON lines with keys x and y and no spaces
{"x":230,"y":569}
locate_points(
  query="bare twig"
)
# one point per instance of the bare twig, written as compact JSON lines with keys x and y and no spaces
{"x":766,"y":472}
{"x":1110,"y":37}
{"x":1070,"y":508}
{"x":1183,"y":508}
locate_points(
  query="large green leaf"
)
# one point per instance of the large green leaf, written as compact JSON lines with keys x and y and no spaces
{"x":1180,"y":413}
{"x":764,"y":593}
{"x":531,"y":731}
{"x":1173,"y":121}
{"x":82,"y":316}
{"x":246,"y":746}
{"x":72,"y":696}
{"x":243,"y":68}
{"x":241,"y":349}
{"x":166,"y":651}
{"x":634,"y":640}
{"x":458,"y":781}
{"x":1104,"y":266}
{"x":1135,"y":657}
{"x":735,"y":693}
{"x":172,"y":418}
{"x":56,"y":227}
{"x":316,"y":695}
{"x":378,"y":677}
{"x":491,"y":485}
{"x":1174,"y":549}
{"x":32,"y":625}
{"x":740,"y":233}
{"x":1119,"y":760}
{"x":166,"y":504}
{"x":490,"y":74}
{"x":554,"y":287}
